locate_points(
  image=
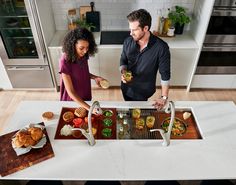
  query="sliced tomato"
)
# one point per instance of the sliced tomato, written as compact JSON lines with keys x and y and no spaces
{"x":78,"y":122}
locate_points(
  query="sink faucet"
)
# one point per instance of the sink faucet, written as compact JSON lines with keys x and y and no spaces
{"x":89,"y":134}
{"x":170,"y":108}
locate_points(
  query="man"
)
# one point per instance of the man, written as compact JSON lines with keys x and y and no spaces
{"x":144,"y":54}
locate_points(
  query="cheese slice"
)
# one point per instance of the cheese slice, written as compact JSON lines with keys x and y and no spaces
{"x":186,"y":115}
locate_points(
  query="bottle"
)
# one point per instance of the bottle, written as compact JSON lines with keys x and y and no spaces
{"x":158,"y":20}
{"x":167,"y":22}
{"x":72,"y":19}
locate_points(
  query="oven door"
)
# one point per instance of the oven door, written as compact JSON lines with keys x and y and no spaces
{"x":222,"y":26}
{"x":217,"y":59}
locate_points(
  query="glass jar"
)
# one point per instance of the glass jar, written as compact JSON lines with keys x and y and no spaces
{"x":72,"y":19}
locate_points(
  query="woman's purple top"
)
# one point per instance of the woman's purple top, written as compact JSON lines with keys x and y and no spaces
{"x":80,"y":76}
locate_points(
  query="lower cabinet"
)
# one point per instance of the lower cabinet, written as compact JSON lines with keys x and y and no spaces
{"x":182,"y":62}
{"x":214,"y":81}
{"x":55,"y":55}
{"x":109,"y":60}
{"x":94,"y":67}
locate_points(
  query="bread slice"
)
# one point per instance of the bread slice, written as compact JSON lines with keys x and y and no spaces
{"x":68,"y":116}
{"x":80,"y":112}
{"x":47,"y":116}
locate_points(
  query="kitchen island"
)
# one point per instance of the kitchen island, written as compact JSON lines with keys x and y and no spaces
{"x":212,"y":157}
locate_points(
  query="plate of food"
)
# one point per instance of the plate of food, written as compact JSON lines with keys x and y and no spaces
{"x":29,"y":137}
{"x":179,"y":127}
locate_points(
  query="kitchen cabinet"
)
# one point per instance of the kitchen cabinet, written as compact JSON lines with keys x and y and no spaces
{"x":182,"y":61}
{"x":214,"y":81}
{"x":55,"y":55}
{"x":94,"y":67}
{"x":109,"y":59}
{"x":234,"y":82}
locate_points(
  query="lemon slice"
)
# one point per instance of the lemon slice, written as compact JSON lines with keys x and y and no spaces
{"x":104,"y":84}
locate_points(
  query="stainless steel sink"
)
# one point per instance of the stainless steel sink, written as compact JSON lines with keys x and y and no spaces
{"x":113,"y":37}
{"x":126,"y":125}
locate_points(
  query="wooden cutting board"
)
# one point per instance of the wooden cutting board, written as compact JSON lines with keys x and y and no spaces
{"x":10,"y":162}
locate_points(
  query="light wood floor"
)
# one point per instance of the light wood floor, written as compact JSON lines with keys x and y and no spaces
{"x":10,"y":99}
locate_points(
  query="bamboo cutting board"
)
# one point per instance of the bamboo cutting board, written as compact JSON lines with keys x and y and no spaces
{"x":10,"y":162}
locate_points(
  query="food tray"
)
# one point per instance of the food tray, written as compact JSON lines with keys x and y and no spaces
{"x":97,"y":123}
{"x":191,"y":132}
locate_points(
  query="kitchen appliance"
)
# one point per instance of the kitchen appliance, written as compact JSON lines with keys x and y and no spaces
{"x":22,"y":46}
{"x":219,"y":47}
{"x":94,"y":18}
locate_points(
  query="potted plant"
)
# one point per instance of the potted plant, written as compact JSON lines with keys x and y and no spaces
{"x":178,"y":19}
{"x":83,"y":24}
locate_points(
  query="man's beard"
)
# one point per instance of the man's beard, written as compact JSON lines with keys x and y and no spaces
{"x":140,"y":37}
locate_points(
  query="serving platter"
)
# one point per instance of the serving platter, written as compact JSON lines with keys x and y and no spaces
{"x":102,"y":129}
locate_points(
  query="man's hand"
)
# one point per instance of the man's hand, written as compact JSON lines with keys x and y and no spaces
{"x":126,"y":76}
{"x":160,"y":103}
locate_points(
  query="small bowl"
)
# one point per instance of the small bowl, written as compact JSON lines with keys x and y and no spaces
{"x":107,"y":132}
{"x":179,"y":127}
{"x":107,"y":113}
{"x":107,"y":122}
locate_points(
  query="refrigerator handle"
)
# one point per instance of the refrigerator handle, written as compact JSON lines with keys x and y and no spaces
{"x":34,"y":11}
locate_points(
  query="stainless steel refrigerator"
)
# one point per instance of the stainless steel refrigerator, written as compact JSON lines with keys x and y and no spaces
{"x":22,"y":46}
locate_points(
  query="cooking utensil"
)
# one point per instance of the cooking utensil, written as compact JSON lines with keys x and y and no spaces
{"x":94,"y":18}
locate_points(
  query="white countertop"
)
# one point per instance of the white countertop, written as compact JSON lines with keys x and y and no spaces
{"x":178,"y":42}
{"x":212,"y":157}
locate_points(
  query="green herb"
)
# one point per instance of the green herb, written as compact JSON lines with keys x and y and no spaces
{"x":107,"y":113}
{"x":107,"y":132}
{"x":107,"y":122}
{"x":178,"y":16}
{"x":84,"y":24}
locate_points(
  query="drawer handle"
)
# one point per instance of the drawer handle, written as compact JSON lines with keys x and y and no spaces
{"x":25,"y":68}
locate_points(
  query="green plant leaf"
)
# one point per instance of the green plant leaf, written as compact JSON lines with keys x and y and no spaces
{"x":179,"y":16}
{"x":83,"y":24}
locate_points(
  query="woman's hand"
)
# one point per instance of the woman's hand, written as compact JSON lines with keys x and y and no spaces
{"x":98,"y":79}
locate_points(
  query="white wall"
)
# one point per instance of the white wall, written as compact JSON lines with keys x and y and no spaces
{"x":114,"y":12}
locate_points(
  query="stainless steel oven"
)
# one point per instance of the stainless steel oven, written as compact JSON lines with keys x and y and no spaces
{"x":219,"y":47}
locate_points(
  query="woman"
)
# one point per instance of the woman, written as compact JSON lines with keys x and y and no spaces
{"x":78,"y":45}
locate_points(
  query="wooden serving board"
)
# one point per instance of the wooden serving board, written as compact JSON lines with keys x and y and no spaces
{"x":10,"y":162}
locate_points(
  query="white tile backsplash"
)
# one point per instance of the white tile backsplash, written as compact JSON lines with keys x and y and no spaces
{"x":113,"y":12}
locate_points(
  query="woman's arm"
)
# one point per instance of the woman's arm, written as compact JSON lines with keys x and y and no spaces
{"x":71,"y":91}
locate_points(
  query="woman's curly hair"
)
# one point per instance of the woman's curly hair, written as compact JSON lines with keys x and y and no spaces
{"x":71,"y":39}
